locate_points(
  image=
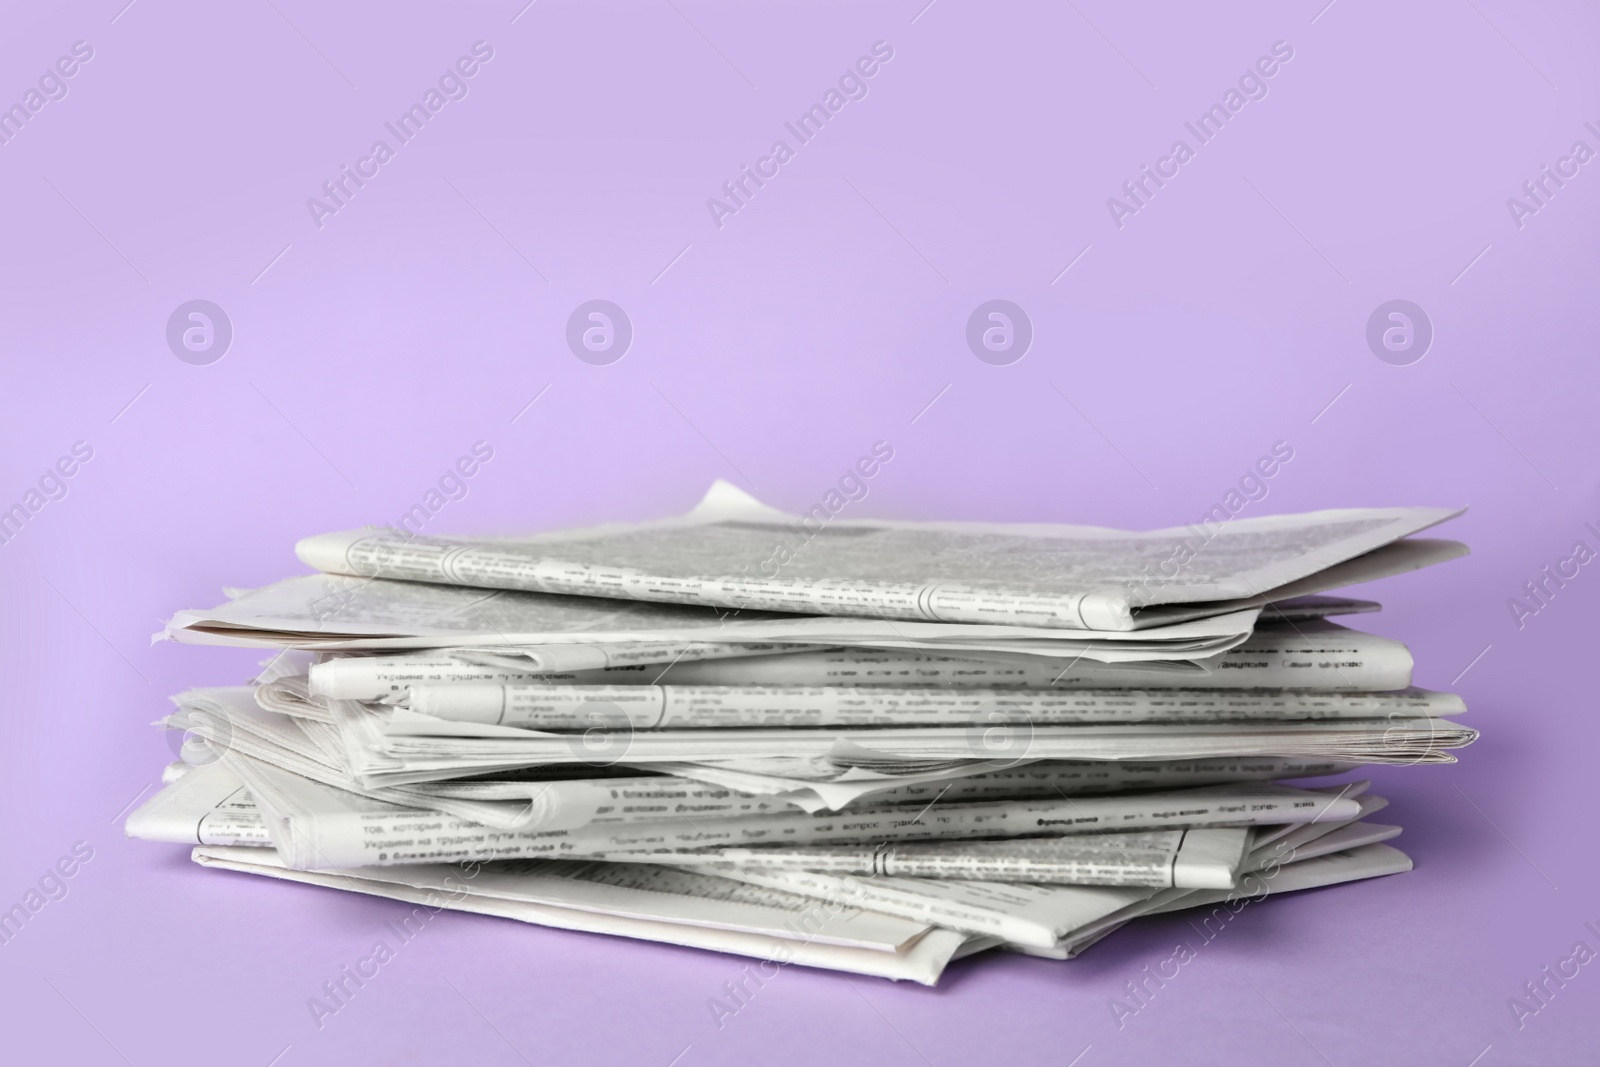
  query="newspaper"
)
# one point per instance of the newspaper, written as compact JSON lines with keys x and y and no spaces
{"x":525,"y":799}
{"x":1310,"y":655}
{"x":410,"y":741}
{"x":1015,"y":913}
{"x":1304,"y":655}
{"x":1199,"y":859}
{"x":735,"y":552}
{"x":670,"y":707}
{"x":208,"y":805}
{"x":633,"y":900}
{"x":559,"y":798}
{"x":1269,"y":842}
{"x":327,"y":612}
{"x":374,"y":758}
{"x":1040,"y":778}
{"x":317,"y":826}
{"x":648,"y":903}
{"x":513,"y":796}
{"x":876,"y":746}
{"x":291,"y":695}
{"x":1398,"y":557}
{"x":1360,"y":859}
{"x":802,"y":922}
{"x":1271,"y":848}
{"x":1049,"y":920}
{"x":213,"y":808}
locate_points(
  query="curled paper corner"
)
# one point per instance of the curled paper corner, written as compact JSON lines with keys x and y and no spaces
{"x":725,"y":500}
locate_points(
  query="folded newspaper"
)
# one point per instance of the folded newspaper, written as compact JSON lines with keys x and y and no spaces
{"x":869,"y":746}
{"x":733,"y":551}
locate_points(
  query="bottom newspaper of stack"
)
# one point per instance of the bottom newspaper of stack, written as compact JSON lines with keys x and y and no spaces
{"x":877,"y":830}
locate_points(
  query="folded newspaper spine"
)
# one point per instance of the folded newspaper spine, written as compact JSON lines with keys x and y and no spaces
{"x":379,"y":554}
{"x":1195,"y":859}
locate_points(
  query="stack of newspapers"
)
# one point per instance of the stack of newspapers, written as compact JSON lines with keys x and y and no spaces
{"x":873,"y":746}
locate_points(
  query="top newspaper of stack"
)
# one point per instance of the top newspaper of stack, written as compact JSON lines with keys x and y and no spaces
{"x":734,"y":552}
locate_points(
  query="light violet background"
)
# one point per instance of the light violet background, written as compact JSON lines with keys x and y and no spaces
{"x":369,"y":354}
